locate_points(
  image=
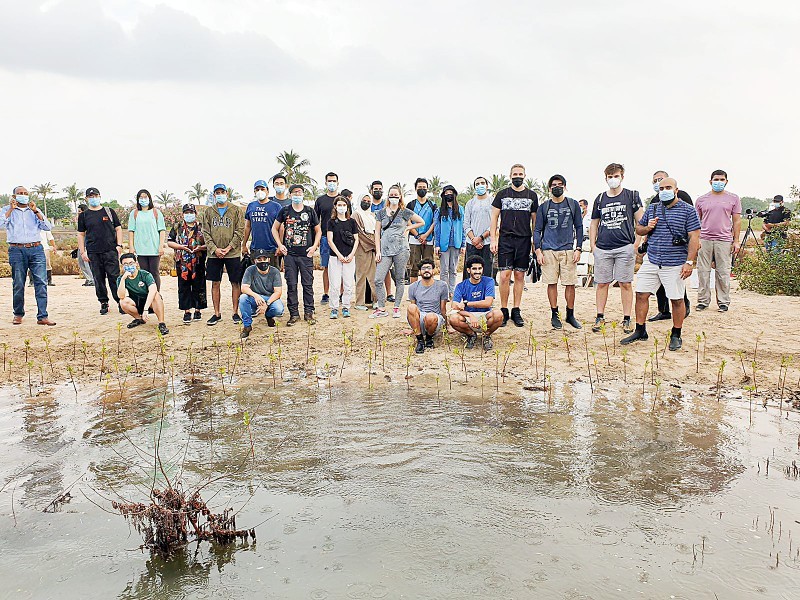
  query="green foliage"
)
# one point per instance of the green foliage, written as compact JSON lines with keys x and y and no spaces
{"x":755,"y":203}
{"x":57,"y":209}
{"x":498,"y":183}
{"x":771,"y":273}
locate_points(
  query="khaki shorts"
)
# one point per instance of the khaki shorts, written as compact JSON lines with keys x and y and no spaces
{"x":557,"y":265}
{"x":417,"y":253}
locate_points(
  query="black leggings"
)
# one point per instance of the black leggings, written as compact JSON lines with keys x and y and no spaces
{"x":151,"y":264}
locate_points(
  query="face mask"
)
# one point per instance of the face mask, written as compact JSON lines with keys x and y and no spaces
{"x":422,"y":193}
{"x":144,"y":202}
{"x":190,"y":217}
{"x":22,"y":199}
{"x":666,"y":196}
{"x":94,"y":201}
{"x":558,"y":191}
{"x":331,"y":186}
{"x":449,"y":198}
{"x":613,"y":182}
{"x":341,"y":209}
{"x":394,"y":201}
{"x":480,"y":189}
{"x":377,"y":194}
{"x":261,"y":195}
{"x":129,"y":268}
{"x":365,"y":205}
{"x":263,"y":265}
{"x":221,"y":199}
{"x":279,"y":189}
{"x":718,"y":186}
{"x":516,"y":181}
{"x":655,"y":187}
{"x":297,"y":199}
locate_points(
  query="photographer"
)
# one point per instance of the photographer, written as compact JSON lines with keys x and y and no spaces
{"x":776,"y":224}
{"x":674,"y":239}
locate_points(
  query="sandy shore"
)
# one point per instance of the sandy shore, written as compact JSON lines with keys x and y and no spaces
{"x":82,"y":333}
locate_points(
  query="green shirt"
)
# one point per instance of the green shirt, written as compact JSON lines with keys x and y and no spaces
{"x":140,"y":285}
{"x":145,"y":227}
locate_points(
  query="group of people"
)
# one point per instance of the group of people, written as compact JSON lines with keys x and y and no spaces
{"x":370,"y":245}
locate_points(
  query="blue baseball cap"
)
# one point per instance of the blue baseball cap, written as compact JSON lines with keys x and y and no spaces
{"x":260,"y":183}
{"x":220,"y":186}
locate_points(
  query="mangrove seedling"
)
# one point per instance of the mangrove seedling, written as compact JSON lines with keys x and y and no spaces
{"x":449,"y":376}
{"x":625,"y":365}
{"x":247,"y":421}
{"x":565,"y":339}
{"x":614,"y":325}
{"x":47,"y":349}
{"x":222,"y":378}
{"x":588,"y":365}
{"x":605,"y":342}
{"x":74,"y":346}
{"x":740,"y":356}
{"x":720,"y":371}
{"x":70,"y":370}
{"x":369,"y":370}
{"x":657,"y":396}
{"x":698,"y":339}
{"x":655,"y":351}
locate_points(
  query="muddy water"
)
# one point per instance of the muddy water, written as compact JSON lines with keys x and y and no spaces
{"x":391,"y":494}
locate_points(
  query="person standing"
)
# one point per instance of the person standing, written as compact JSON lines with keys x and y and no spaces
{"x":420,"y":240}
{"x":281,"y":191}
{"x":147,"y":234}
{"x":376,"y":191}
{"x":186,"y":240}
{"x":673,"y":231}
{"x":472,"y":311}
{"x":82,"y":264}
{"x":297,"y":244}
{"x":391,"y":239}
{"x":776,"y":225}
{"x":559,"y":227}
{"x":100,"y":245}
{"x":365,"y":251}
{"x":138,"y":294}
{"x":587,"y":218}
{"x":323,"y":206}
{"x":428,"y":304}
{"x":513,"y":219}
{"x":261,"y":292}
{"x":477,"y":225}
{"x":612,"y":239}
{"x":23,"y":222}
{"x":720,"y":215}
{"x":343,"y":242}
{"x":258,"y":219}
{"x":449,"y":240}
{"x":223,"y":230}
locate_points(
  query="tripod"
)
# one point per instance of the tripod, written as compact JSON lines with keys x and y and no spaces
{"x":749,"y":233}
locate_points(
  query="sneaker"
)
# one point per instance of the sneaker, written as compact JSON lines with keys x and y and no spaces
{"x":197,"y":315}
{"x":361,"y":307}
{"x":334,"y":314}
{"x":571,"y":320}
{"x":135,"y":323}
{"x":516,"y":317}
{"x":378,"y":313}
{"x":309,"y":318}
{"x":420,"y":347}
{"x":187,"y":318}
{"x":675,"y":342}
{"x":701,"y":307}
{"x":723,"y":308}
{"x":505,"y":317}
{"x":688,"y":309}
{"x":627,"y":326}
{"x":598,"y":324}
{"x":293,"y":320}
{"x":245,"y":332}
{"x":428,"y":341}
{"x":390,"y":298}
{"x":396,"y":313}
{"x":104,"y":308}
{"x":88,"y":284}
{"x":162,"y":329}
{"x":325,"y":299}
{"x":634,"y":337}
{"x":214,"y":320}
{"x":236,"y":318}
{"x":471,"y":341}
{"x":345,"y":313}
{"x":555,"y":321}
{"x":270,"y":321}
{"x":488,"y":344}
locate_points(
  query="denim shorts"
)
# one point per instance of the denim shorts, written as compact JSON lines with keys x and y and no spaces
{"x":324,"y":252}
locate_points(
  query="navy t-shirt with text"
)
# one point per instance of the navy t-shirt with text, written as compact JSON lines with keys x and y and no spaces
{"x":261,"y":217}
{"x":466,"y":291}
{"x":617,"y":219}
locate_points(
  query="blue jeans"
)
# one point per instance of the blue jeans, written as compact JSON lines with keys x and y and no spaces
{"x":247,"y":306}
{"x":22,"y":259}
{"x":324,"y":252}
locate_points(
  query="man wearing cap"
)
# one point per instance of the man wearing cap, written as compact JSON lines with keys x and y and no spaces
{"x":323,"y":206}
{"x":258,"y":219}
{"x":776,"y":224}
{"x":23,"y":223}
{"x":297,"y":233}
{"x":100,"y":245}
{"x":223,"y":230}
{"x":261,"y":291}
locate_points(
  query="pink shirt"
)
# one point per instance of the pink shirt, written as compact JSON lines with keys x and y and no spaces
{"x":716,"y":215}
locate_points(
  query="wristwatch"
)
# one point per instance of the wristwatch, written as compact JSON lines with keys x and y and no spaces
{"x":690,"y":263}
{"x":466,"y":304}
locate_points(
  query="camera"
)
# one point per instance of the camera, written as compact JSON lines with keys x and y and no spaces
{"x":643,"y":247}
{"x":680,"y":240}
{"x":749,"y":213}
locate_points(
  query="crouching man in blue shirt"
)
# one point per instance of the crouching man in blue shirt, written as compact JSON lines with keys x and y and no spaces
{"x":472,"y":306}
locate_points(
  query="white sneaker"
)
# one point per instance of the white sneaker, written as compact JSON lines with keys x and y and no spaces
{"x":378,"y":313}
{"x":360,"y":307}
{"x":396,"y":313}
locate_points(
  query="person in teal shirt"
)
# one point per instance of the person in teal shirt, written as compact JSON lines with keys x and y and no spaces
{"x":138,"y":293}
{"x":147,"y":234}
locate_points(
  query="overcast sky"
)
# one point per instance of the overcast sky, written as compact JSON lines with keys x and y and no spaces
{"x":124,"y":94}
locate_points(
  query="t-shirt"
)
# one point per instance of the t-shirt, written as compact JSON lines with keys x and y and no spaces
{"x":298,"y":233}
{"x":516,"y":208}
{"x":716,"y":213}
{"x":393,"y":239}
{"x":338,"y":227}
{"x":261,"y":217}
{"x":324,"y":209}
{"x":429,"y":297}
{"x":779,"y":214}
{"x":678,"y":219}
{"x":477,"y":217}
{"x":376,"y":207}
{"x":262,"y":283}
{"x":617,"y":226}
{"x":282,"y":203}
{"x":138,"y":286}
{"x":425,"y":210}
{"x":146,"y":228}
{"x":100,"y":230}
{"x":466,"y":291}
{"x":47,"y":237}
{"x":558,"y":225}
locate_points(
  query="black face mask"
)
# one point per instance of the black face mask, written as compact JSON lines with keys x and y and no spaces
{"x":262,"y":266}
{"x":558,"y":191}
{"x":377,"y":194}
{"x":516,"y":181}
{"x":365,"y":204}
{"x":449,"y":198}
{"x":422,"y":193}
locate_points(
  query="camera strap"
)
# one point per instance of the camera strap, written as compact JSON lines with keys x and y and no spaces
{"x":664,"y":212}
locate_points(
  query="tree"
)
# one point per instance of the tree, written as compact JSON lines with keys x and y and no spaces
{"x":74,"y":196}
{"x":294,"y":168}
{"x":540,"y":188}
{"x":403,"y":190}
{"x":5,"y":199}
{"x":44,"y":190}
{"x":233,"y":195}
{"x":197,"y":194}
{"x":498,"y":182}
{"x":59,"y":209}
{"x":755,"y":204}
{"x":166,"y":198}
{"x":435,"y":185}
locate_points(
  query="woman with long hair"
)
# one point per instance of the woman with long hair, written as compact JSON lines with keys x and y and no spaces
{"x":186,"y":239}
{"x":343,"y":242}
{"x":147,"y":234}
{"x":449,"y":241}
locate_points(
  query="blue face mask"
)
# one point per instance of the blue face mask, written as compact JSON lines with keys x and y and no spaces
{"x":297,"y":200}
{"x":129,"y":268}
{"x":144,"y":202}
{"x":331,"y":186}
{"x":190,"y":217}
{"x":666,"y":196}
{"x":480,"y":190}
{"x":279,"y":189}
{"x":22,"y":199}
{"x":95,"y":202}
{"x":655,"y":187}
{"x":718,"y":186}
{"x":221,"y":199}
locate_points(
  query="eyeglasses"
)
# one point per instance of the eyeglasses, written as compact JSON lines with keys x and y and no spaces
{"x":658,"y":179}
{"x":426,"y":268}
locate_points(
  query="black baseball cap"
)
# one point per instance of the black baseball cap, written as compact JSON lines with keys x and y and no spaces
{"x":295,"y":186}
{"x":90,"y":191}
{"x":189,"y":208}
{"x":259,"y":253}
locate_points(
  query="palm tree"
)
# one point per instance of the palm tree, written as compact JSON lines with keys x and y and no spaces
{"x":539,"y":187}
{"x":469,"y":191}
{"x":74,"y":196}
{"x":404,"y":191}
{"x":197,"y":194}
{"x":165,"y":198}
{"x":435,"y":185}
{"x":233,"y":195}
{"x":294,"y":167}
{"x":43,"y":190}
{"x":498,"y":182}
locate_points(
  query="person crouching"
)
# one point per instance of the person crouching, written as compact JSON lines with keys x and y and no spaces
{"x":138,"y":293}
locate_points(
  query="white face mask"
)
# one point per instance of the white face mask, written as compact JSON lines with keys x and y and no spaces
{"x":613,"y":182}
{"x":394,"y":201}
{"x":261,"y":195}
{"x":342,"y":210}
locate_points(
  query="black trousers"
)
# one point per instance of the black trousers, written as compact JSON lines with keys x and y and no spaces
{"x":151,"y":265}
{"x":105,"y":266}
{"x":301,"y":266}
{"x":192,"y":292}
{"x":664,"y":305}
{"x":488,"y":259}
